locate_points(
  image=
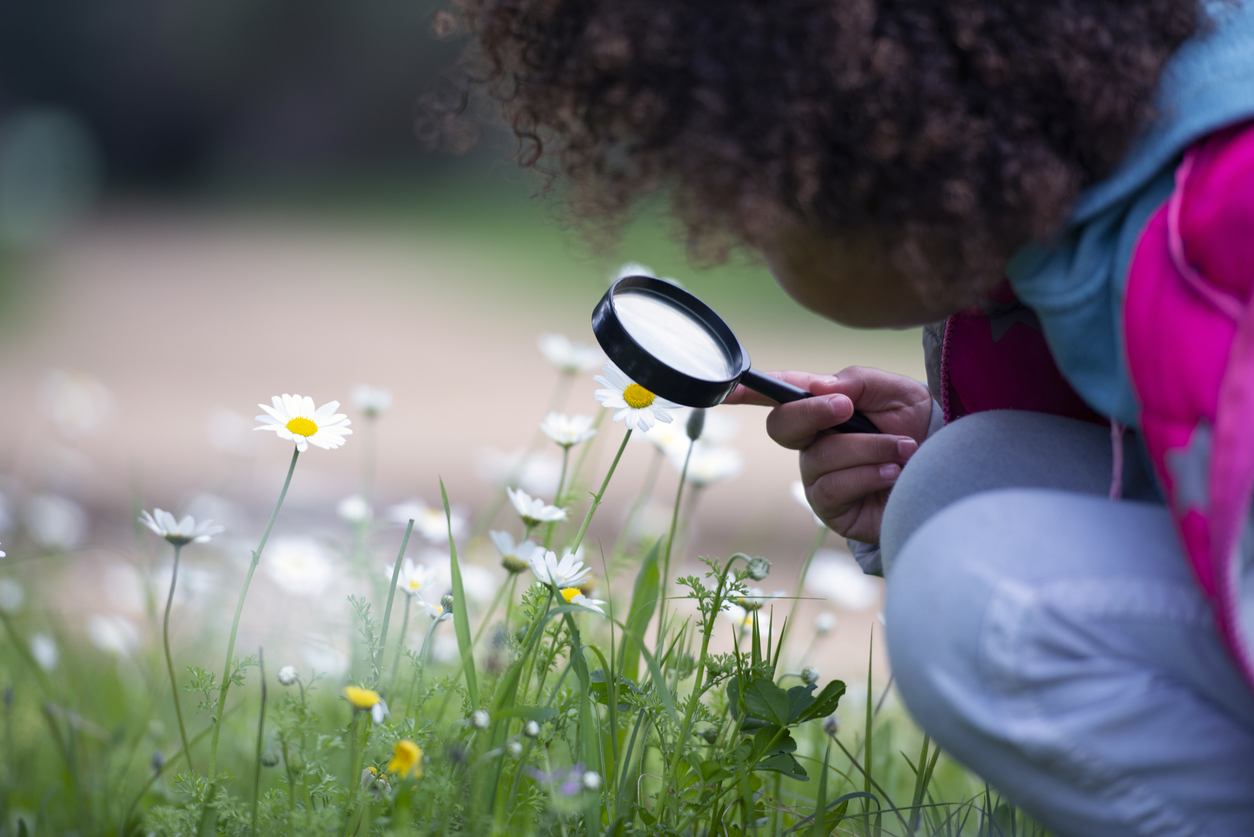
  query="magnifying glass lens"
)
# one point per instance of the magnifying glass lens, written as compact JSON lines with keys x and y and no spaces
{"x":673,"y":335}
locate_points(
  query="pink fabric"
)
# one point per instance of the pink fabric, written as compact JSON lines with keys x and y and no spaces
{"x":1189,"y":331}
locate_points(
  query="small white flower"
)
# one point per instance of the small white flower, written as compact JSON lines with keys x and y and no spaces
{"x":113,"y":634}
{"x":3,"y":554}
{"x":371,"y":400}
{"x":480,"y":719}
{"x":569,"y":572}
{"x":531,"y":729}
{"x":632,"y":404}
{"x":76,"y":402}
{"x":413,"y":577}
{"x":708,"y":464}
{"x":11,"y":595}
{"x":180,"y":532}
{"x":299,"y":565}
{"x":287,"y":675}
{"x":55,"y":522}
{"x":742,"y":618}
{"x":591,"y":780}
{"x":574,"y":596}
{"x":430,"y":523}
{"x":44,"y":649}
{"x":354,"y":509}
{"x":379,"y":711}
{"x":799,"y":494}
{"x":438,"y":612}
{"x":514,"y":749}
{"x":514,"y":558}
{"x":295,"y":418}
{"x":533,"y":510}
{"x":824,"y":623}
{"x":567,"y":430}
{"x":567,"y":355}
{"x":837,"y":576}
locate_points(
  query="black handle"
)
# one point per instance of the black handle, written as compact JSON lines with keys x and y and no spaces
{"x":784,"y":393}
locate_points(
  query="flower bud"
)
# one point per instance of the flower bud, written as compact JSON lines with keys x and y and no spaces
{"x":531,"y":729}
{"x":287,"y":675}
{"x":696,"y":423}
{"x":758,"y":568}
{"x":824,"y":623}
{"x":446,"y":602}
{"x":831,"y":725}
{"x":591,"y":780}
{"x":269,"y":758}
{"x":158,"y":761}
{"x":809,"y":675}
{"x":514,"y":749}
{"x":480,"y":719}
{"x":710,"y":734}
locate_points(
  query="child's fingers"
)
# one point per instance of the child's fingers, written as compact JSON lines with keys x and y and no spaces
{"x":840,"y":451}
{"x":796,"y":425}
{"x":834,"y":493}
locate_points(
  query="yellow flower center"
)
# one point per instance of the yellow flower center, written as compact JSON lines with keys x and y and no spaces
{"x":361,"y":698}
{"x":305,"y":427}
{"x":569,"y":593}
{"x":406,"y":759}
{"x":415,"y":584}
{"x":636,"y":396}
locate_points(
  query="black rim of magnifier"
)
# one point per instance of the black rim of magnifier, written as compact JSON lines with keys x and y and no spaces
{"x":651,"y":373}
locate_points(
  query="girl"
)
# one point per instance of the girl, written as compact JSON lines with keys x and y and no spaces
{"x":1062,"y":513}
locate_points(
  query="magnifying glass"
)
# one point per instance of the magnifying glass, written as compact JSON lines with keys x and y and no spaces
{"x":673,"y":344}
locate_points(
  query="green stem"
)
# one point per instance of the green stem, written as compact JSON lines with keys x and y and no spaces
{"x":387,"y":611}
{"x":670,"y":541}
{"x":557,"y":498}
{"x":261,"y":732}
{"x":819,"y":537}
{"x":169,"y":660}
{"x":596,"y":500}
{"x":400,"y":645}
{"x":239,"y":609}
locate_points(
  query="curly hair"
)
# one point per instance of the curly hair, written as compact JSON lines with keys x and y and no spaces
{"x":956,"y":130}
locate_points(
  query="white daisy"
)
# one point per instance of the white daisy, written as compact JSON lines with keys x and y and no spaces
{"x":671,"y":439}
{"x":55,"y":522}
{"x":567,"y":355}
{"x":413,"y":577}
{"x":567,"y":430}
{"x":708,"y":464}
{"x":429,"y":522}
{"x":371,"y":400}
{"x":180,"y":532}
{"x":354,"y":509}
{"x":295,"y":418}
{"x":299,"y":565}
{"x":754,"y":598}
{"x":438,"y":612}
{"x":569,"y":572}
{"x":573,"y":595}
{"x":44,"y":649}
{"x":632,"y":404}
{"x":799,"y":494}
{"x":514,"y":558}
{"x":743,"y":619}
{"x":113,"y":634}
{"x":533,"y":510}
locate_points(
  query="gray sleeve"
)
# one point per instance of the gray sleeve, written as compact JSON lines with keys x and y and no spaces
{"x":867,"y":555}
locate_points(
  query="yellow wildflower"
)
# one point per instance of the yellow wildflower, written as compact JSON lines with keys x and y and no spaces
{"x":361,"y":698}
{"x":406,"y":759}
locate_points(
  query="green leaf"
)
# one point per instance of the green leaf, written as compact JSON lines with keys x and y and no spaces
{"x":765,"y":700}
{"x":531,"y":713}
{"x":733,"y":697}
{"x":784,"y":763}
{"x":644,"y":600}
{"x":461,"y":622}
{"x":820,"y":802}
{"x":765,"y":743}
{"x":713,"y":771}
{"x":800,"y":699}
{"x":825,"y":702}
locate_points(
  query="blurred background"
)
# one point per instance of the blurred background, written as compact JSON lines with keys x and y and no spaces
{"x":206,"y":204}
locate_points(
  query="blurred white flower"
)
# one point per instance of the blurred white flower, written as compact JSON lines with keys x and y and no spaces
{"x":55,"y":522}
{"x":180,"y":532}
{"x":533,"y":510}
{"x":569,"y":572}
{"x":514,"y":557}
{"x":670,"y":439}
{"x":824,"y":623}
{"x":3,"y":554}
{"x":287,"y":675}
{"x":567,"y":430}
{"x":430,"y":523}
{"x":438,"y":612}
{"x":573,"y":595}
{"x":537,"y":474}
{"x":354,"y":509}
{"x":413,"y":578}
{"x":299,"y":565}
{"x":372,"y":400}
{"x":44,"y":649}
{"x":743,"y":619}
{"x":230,"y":515}
{"x":708,"y":464}
{"x":567,"y":355}
{"x":838,"y":577}
{"x":799,"y":494}
{"x":754,"y":598}
{"x":113,"y":634}
{"x":230,"y":432}
{"x":11,"y":595}
{"x":479,"y":719}
{"x":295,"y":418}
{"x":327,"y":657}
{"x":809,"y":675}
{"x":632,"y":404}
{"x":76,"y":402}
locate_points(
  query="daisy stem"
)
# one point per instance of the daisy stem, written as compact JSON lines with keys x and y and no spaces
{"x":557,"y":499}
{"x":169,"y":661}
{"x":387,"y":611}
{"x":261,"y":734}
{"x":596,"y":500}
{"x":819,"y":537}
{"x":509,"y":603}
{"x":239,"y":609}
{"x":670,"y":541}
{"x":400,"y":645}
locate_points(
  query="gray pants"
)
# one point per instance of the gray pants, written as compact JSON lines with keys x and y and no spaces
{"x":1055,"y":641}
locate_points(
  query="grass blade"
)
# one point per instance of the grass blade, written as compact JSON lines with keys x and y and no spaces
{"x":461,"y":623}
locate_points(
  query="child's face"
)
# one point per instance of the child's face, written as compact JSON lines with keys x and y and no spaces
{"x":849,"y":279}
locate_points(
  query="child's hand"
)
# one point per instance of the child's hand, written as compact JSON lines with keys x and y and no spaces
{"x":848,"y":476}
